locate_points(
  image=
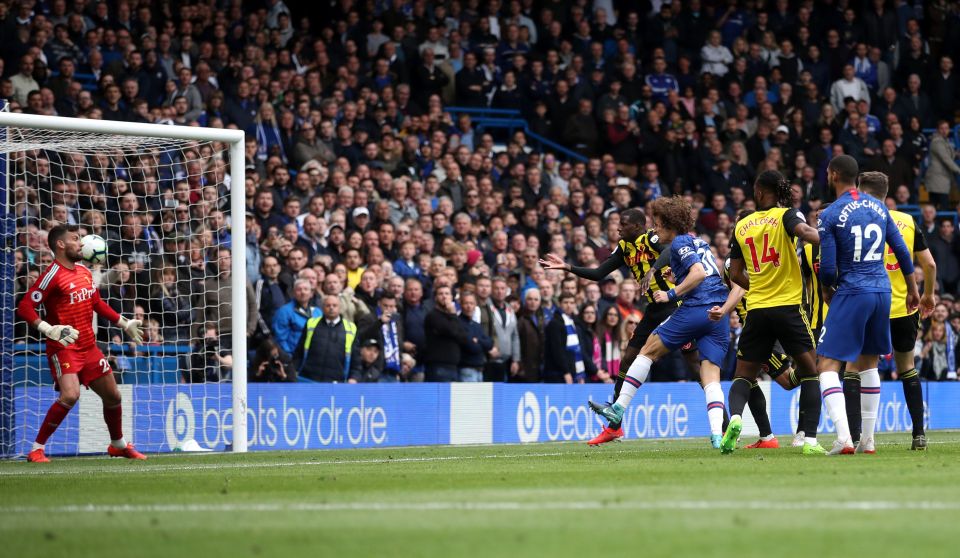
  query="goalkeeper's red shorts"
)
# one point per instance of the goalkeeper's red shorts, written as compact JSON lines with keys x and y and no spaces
{"x":87,"y":364}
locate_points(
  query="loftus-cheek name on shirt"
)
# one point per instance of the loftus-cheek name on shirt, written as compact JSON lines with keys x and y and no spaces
{"x":750,"y":223}
{"x":81,"y":295}
{"x":854,"y":205}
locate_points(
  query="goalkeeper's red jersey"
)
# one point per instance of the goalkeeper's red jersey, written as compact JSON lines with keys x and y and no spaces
{"x":68,"y":297}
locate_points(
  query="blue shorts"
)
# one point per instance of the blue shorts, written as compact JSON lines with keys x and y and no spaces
{"x":857,"y":324}
{"x":690,"y":323}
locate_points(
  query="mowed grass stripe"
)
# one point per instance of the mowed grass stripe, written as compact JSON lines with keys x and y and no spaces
{"x":866,"y":505}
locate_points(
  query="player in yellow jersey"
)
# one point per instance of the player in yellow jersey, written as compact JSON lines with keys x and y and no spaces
{"x":777,"y":366}
{"x":639,"y":250}
{"x":904,"y":324}
{"x":763,"y":261}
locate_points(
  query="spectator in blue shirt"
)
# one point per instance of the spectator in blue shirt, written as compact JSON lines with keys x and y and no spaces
{"x":660,"y":81}
{"x":291,"y":318}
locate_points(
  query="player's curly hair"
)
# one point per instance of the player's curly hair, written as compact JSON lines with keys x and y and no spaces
{"x":674,"y":212}
{"x":774,"y":182}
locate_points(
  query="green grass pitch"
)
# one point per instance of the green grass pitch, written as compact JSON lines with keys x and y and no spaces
{"x":635,"y":498}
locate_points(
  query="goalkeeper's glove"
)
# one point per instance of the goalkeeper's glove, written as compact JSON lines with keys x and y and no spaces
{"x":63,"y":334}
{"x":134,"y":329}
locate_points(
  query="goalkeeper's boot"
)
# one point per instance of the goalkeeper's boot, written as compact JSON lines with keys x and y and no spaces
{"x":37,"y":456}
{"x":919,"y":443}
{"x":772,"y":443}
{"x":715,"y":440}
{"x":607,"y":435}
{"x":867,"y":446}
{"x":730,"y":437}
{"x":129,"y":452}
{"x":841,"y":448}
{"x":813,"y":449}
{"x":613,"y":413}
{"x":798,"y":439}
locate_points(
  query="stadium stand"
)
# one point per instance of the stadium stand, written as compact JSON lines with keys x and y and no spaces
{"x":399,"y":146}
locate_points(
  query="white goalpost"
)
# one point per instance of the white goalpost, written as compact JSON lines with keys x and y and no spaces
{"x":170,"y":200}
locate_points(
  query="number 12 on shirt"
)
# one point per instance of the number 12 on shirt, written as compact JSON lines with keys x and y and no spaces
{"x":870,"y":231}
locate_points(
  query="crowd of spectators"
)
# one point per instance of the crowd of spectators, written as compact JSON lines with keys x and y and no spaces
{"x":391,"y":239}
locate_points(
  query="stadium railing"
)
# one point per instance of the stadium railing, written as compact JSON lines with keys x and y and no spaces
{"x":511,"y":120}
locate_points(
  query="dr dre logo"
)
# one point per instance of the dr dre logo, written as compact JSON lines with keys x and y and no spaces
{"x":528,"y":418}
{"x":180,"y":423}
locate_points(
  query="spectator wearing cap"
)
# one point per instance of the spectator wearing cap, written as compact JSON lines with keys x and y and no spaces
{"x":370,"y":368}
{"x":473,"y":353}
{"x":360,"y":217}
{"x":325,"y":350}
{"x":290,"y":319}
{"x":441,"y":355}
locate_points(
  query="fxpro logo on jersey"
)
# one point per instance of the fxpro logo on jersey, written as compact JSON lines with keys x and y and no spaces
{"x":81,"y":295}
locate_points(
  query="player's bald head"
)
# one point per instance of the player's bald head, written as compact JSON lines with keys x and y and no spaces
{"x":875,"y":183}
{"x":845,"y":167}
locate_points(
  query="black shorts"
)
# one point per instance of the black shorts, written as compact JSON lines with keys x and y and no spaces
{"x":766,"y":326}
{"x":903,"y":332}
{"x":655,"y":314}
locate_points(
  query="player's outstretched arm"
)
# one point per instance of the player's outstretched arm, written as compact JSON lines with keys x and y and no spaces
{"x":608,"y":266}
{"x":133,"y":328}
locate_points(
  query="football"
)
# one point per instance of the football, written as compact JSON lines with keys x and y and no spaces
{"x":93,"y":248}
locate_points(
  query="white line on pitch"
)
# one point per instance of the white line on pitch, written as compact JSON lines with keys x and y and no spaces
{"x":865,"y":505}
{"x":271,"y":465}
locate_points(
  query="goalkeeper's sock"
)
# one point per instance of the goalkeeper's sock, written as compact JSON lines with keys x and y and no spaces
{"x":636,"y":375}
{"x":113,"y":416}
{"x":55,"y":415}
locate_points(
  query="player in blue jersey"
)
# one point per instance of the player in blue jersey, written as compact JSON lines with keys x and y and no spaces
{"x":700,"y":287}
{"x":854,"y":232}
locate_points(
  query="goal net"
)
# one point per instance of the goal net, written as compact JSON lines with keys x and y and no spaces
{"x":161,"y":198}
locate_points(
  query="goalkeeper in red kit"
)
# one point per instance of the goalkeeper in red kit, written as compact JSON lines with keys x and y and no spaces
{"x":69,"y":298}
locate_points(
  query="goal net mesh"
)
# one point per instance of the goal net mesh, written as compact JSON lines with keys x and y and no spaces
{"x":163,"y":207}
